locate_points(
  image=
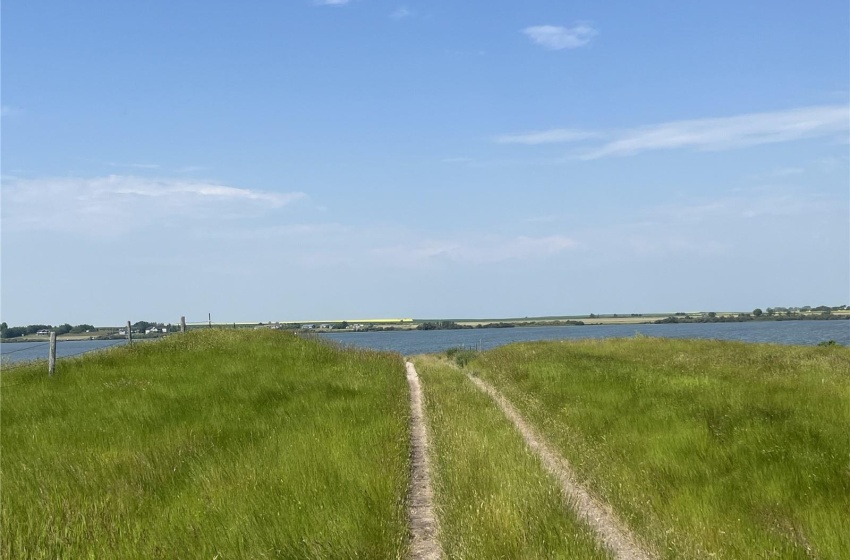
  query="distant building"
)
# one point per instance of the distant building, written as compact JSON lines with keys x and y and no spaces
{"x":43,"y":332}
{"x":273,"y":326}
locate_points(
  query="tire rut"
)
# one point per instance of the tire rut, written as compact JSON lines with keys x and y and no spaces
{"x":599,"y":516}
{"x":423,"y":520}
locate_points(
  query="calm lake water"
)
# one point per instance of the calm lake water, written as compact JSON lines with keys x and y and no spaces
{"x":25,"y":351}
{"x":418,"y":342}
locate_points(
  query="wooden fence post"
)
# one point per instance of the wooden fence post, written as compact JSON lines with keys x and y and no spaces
{"x":51,"y":357}
{"x":129,"y":333}
{"x":182,"y":323}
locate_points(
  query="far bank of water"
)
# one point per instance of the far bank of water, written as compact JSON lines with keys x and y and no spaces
{"x":421,"y":342}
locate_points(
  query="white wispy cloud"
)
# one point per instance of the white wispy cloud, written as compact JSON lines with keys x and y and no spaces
{"x":8,"y":110}
{"x":457,"y":160}
{"x":788,"y":171}
{"x":402,"y":13}
{"x":190,"y":169}
{"x":778,"y":173}
{"x":727,"y":133}
{"x":331,"y":2}
{"x":720,"y":225}
{"x":122,"y":203}
{"x":747,"y":204}
{"x":555,"y":135}
{"x":556,"y":38}
{"x":136,"y":165}
{"x":477,"y":250}
{"x":278,"y":231}
{"x":708,"y":134}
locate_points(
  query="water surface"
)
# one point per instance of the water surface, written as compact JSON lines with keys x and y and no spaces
{"x":12,"y":352}
{"x":779,"y":332}
{"x":419,"y":342}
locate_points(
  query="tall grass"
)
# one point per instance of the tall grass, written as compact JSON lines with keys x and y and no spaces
{"x":213,"y":444}
{"x":708,"y":449}
{"x":492,"y":496}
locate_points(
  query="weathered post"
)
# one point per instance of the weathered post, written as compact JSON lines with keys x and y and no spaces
{"x":51,"y":357}
{"x":183,"y":323}
{"x":129,"y":333}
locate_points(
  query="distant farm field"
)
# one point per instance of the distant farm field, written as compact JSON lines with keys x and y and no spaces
{"x":704,"y":448}
{"x":213,"y":444}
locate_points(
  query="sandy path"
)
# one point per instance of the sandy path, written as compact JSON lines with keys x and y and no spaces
{"x":423,"y":521}
{"x":610,"y":531}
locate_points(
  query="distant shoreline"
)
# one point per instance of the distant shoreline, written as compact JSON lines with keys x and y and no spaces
{"x":378,"y":325}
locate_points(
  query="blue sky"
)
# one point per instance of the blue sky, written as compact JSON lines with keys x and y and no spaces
{"x":301,"y":160}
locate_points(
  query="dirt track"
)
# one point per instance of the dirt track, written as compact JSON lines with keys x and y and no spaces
{"x":610,"y":531}
{"x":423,"y":521}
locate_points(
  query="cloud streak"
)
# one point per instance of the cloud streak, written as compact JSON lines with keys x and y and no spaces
{"x":709,"y":134}
{"x":555,"y":135}
{"x":477,"y":251}
{"x":556,"y":38}
{"x":120,"y":203}
{"x":136,"y":165}
{"x":402,"y":13}
{"x":727,"y":133}
{"x":755,"y":203}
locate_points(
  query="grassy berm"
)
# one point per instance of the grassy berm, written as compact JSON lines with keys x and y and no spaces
{"x":213,"y":444}
{"x":706,"y":449}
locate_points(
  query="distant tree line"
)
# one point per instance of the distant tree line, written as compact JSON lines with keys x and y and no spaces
{"x":14,"y":332}
{"x":553,"y":323}
{"x":451,"y":325}
{"x":807,"y":313}
{"x":440,"y":326}
{"x":7,"y":332}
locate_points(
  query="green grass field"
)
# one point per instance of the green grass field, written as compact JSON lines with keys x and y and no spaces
{"x":213,"y":444}
{"x":264,"y":444}
{"x":705,"y":448}
{"x":493,"y":499}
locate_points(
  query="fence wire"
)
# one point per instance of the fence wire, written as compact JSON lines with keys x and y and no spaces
{"x":116,"y":343}
{"x":6,"y":366}
{"x":24,"y":349}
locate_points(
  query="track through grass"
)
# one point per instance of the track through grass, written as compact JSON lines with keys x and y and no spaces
{"x":598,"y":516}
{"x":493,"y":498}
{"x":705,"y":448}
{"x":425,"y":544}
